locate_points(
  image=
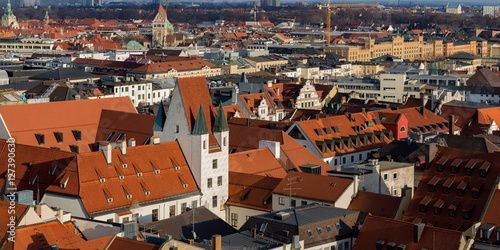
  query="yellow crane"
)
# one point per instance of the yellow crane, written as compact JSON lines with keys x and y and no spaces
{"x":329,"y":12}
{"x":289,"y":19}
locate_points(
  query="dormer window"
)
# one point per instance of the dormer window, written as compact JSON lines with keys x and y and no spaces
{"x":447,"y":185}
{"x":441,"y":163}
{"x":483,"y":170}
{"x":461,"y":188}
{"x":423,"y":204}
{"x":477,"y":190}
{"x":59,"y":136}
{"x":469,"y":167}
{"x":431,"y":186}
{"x":437,"y":207}
{"x":452,"y":209}
{"x":454,"y":166}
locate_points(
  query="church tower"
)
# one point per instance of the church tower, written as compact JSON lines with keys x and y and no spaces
{"x":46,"y":18}
{"x":8,"y":17}
{"x":203,"y":135}
{"x":163,"y":30}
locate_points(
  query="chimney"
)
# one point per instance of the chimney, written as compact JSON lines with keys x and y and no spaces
{"x":131,"y":142}
{"x":339,"y":168}
{"x":431,"y":149}
{"x":216,"y":242}
{"x":317,"y":117}
{"x":417,"y":231}
{"x":156,"y":139}
{"x":296,"y":242}
{"x":248,"y":122}
{"x":60,"y":215}
{"x":105,"y":147}
{"x":273,"y":146}
{"x":349,"y":116}
{"x":269,"y":84}
{"x":363,"y":110}
{"x":451,"y":124}
{"x":38,"y":210}
{"x":122,"y":145}
{"x":254,"y":233}
{"x":422,"y":109}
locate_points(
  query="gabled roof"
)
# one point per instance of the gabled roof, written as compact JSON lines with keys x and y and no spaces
{"x":484,"y":77}
{"x":376,"y":204}
{"x":313,"y":186}
{"x":196,"y":97}
{"x":25,"y":121}
{"x":464,"y":205}
{"x":376,"y":229}
{"x":54,"y":233}
{"x":251,"y":191}
{"x":120,"y":243}
{"x":95,"y":182}
{"x":63,"y":74}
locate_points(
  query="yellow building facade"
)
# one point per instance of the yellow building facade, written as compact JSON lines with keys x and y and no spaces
{"x":417,"y":49}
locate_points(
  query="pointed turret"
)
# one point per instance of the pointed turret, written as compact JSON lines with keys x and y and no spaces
{"x":200,"y":126}
{"x":160,"y":118}
{"x":220,"y":124}
{"x":243,"y":78}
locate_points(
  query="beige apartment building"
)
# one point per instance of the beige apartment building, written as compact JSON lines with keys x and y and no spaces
{"x":407,"y":50}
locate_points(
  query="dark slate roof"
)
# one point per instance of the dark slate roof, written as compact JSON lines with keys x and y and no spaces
{"x":20,"y":86}
{"x":244,"y":240}
{"x":61,"y":93}
{"x":463,"y":56}
{"x":206,"y":224}
{"x":398,"y":150}
{"x":63,"y":74}
{"x":306,"y":215}
{"x":470,"y":143}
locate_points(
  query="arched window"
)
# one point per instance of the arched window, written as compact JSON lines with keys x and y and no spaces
{"x":402,"y":129}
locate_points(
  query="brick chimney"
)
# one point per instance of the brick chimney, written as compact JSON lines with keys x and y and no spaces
{"x":122,"y":145}
{"x":424,"y":101}
{"x":451,"y":124}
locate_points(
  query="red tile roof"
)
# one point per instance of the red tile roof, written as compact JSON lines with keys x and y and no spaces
{"x":120,"y":243}
{"x":132,"y":125}
{"x":44,"y":235}
{"x":416,"y":120}
{"x":316,"y":131}
{"x":492,"y":216}
{"x":251,"y":191}
{"x":376,"y":204}
{"x":313,"y":186}
{"x":465,"y":204}
{"x":194,"y":91}
{"x":258,"y":161}
{"x":26,"y":120}
{"x":43,"y":163}
{"x":83,"y":179}
{"x":19,"y":211}
{"x":400,"y":232}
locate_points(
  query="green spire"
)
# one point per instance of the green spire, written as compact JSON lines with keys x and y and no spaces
{"x":434,"y":68}
{"x":8,"y":11}
{"x":200,"y":125}
{"x":61,"y":31}
{"x":160,"y":118}
{"x":220,"y":124}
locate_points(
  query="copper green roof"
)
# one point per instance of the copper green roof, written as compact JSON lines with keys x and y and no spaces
{"x":200,"y":125}
{"x":220,"y":124}
{"x":160,"y":119}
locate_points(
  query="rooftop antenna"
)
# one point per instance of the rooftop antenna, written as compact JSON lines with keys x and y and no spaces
{"x":290,"y":188}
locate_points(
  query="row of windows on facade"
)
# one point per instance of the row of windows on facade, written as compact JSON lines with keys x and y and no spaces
{"x":293,"y":202}
{"x":344,"y":159}
{"x":219,"y":182}
{"x":155,"y":212}
{"x":125,"y":89}
{"x":307,"y":104}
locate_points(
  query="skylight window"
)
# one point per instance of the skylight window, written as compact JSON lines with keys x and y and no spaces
{"x":338,"y":226}
{"x":120,"y":137}
{"x":320,"y":231}
{"x":329,"y":228}
{"x":148,"y":141}
{"x":110,"y":136}
{"x":310,"y":233}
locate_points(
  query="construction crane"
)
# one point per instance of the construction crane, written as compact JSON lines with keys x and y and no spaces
{"x":329,"y":12}
{"x":289,"y":19}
